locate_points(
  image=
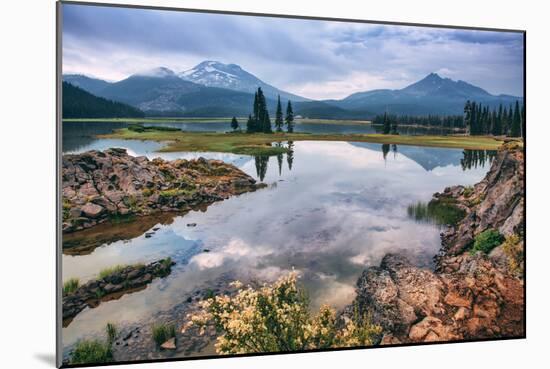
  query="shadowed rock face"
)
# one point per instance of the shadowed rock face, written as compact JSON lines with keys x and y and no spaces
{"x":467,"y":296}
{"x":102,"y":185}
{"x":496,"y":202}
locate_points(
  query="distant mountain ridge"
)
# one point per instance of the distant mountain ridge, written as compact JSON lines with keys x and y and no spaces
{"x":431,"y":95}
{"x":78,"y":103}
{"x":213,"y":89}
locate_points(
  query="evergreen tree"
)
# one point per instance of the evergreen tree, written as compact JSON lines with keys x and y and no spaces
{"x":515,"y":130}
{"x":289,"y":119}
{"x":505,"y":125}
{"x":259,"y":121}
{"x":496,"y":129}
{"x":386,"y":124}
{"x":510,"y":119}
{"x":234,"y":124}
{"x":523,"y":126}
{"x":468,"y":116}
{"x":250,"y":127}
{"x":279,"y":116}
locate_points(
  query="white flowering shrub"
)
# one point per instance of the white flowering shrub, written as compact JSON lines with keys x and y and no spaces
{"x":276,"y":318}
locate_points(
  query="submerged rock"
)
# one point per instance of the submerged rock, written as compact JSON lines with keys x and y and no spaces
{"x":102,"y":185}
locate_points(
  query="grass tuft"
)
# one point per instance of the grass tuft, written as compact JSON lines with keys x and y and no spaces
{"x":111,"y":331}
{"x":91,"y":352}
{"x":163,"y":332}
{"x":107,"y":272}
{"x":70,"y":286}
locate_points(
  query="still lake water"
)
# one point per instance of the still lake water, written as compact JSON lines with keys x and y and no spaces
{"x":331,"y":209}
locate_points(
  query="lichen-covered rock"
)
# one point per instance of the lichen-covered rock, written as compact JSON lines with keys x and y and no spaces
{"x":417,"y":305}
{"x":496,"y":202}
{"x":98,"y":185}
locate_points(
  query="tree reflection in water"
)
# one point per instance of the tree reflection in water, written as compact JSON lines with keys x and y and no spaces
{"x":262,"y":161}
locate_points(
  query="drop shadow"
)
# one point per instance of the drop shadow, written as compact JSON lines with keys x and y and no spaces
{"x":46,"y":358}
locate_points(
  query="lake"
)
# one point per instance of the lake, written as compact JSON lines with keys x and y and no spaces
{"x":330,"y":210}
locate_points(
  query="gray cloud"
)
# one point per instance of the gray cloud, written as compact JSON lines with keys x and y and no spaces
{"x":320,"y":59}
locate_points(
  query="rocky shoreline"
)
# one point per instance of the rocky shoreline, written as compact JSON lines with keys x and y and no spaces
{"x":125,"y":280}
{"x":99,"y":186}
{"x":468,"y":295}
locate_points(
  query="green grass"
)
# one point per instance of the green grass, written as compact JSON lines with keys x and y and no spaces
{"x":70,"y":286}
{"x":487,"y":241}
{"x":111,"y":331}
{"x":109,"y":271}
{"x":166,"y":263}
{"x":163,"y":332}
{"x":91,"y":352}
{"x":260,"y":143}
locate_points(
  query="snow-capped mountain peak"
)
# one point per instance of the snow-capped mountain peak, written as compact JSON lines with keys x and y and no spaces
{"x":213,"y":73}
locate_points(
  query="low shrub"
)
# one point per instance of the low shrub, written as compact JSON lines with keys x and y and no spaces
{"x":513,"y":248}
{"x":163,"y":332}
{"x":70,"y":286}
{"x":486,"y":241}
{"x":277,"y":317}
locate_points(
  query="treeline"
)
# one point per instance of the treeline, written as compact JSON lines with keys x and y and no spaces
{"x":482,"y":120}
{"x":477,"y":120}
{"x":78,"y":103}
{"x":449,"y":121}
{"x":259,"y":121}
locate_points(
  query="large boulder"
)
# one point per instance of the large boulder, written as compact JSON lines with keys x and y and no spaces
{"x":97,"y":185}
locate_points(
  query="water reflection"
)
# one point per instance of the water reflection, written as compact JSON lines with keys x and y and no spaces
{"x":340,"y":207}
{"x":261,"y":162}
{"x":477,"y":158}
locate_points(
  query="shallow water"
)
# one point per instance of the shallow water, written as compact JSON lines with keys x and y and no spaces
{"x":339,"y":208}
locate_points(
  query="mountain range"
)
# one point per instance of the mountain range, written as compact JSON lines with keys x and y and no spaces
{"x":214,"y":89}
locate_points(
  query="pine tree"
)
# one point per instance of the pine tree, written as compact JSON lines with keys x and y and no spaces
{"x":289,"y":119}
{"x":250,"y":124}
{"x":496,"y":128}
{"x":279,"y":116}
{"x":386,"y":124}
{"x":263,"y":122}
{"x":234,"y":124}
{"x":468,"y":116}
{"x":515,"y":131}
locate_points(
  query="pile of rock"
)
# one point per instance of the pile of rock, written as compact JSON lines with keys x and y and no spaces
{"x":417,"y":305}
{"x":98,"y":185}
{"x":126,"y":279}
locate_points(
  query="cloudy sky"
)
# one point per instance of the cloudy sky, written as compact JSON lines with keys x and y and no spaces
{"x":316,"y":59}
